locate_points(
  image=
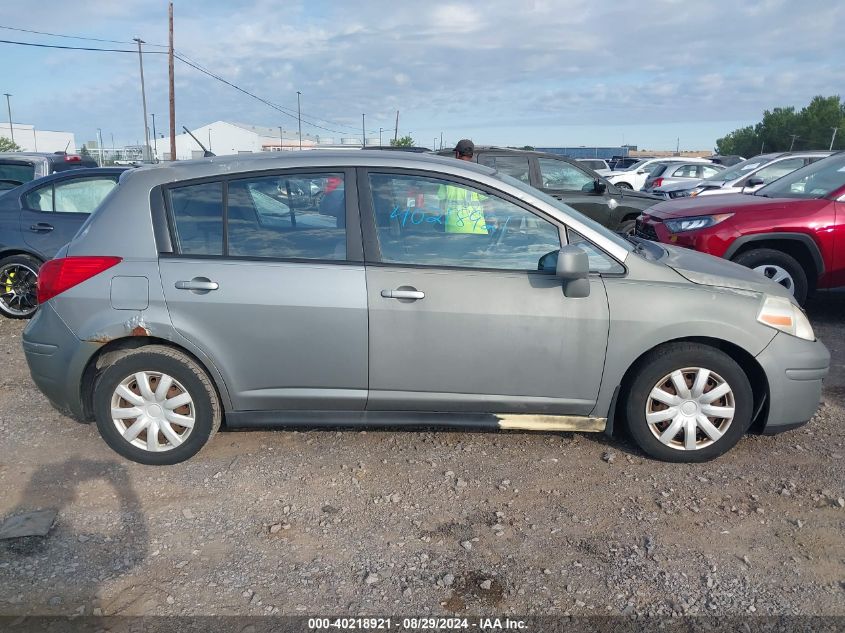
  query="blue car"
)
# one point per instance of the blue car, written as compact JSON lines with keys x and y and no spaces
{"x":36,"y":220}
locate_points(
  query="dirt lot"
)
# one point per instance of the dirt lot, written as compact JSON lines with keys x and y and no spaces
{"x":423,"y":522}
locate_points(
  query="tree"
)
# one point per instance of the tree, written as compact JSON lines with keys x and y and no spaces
{"x":6,"y":145}
{"x":404,"y":141}
{"x":812,"y":128}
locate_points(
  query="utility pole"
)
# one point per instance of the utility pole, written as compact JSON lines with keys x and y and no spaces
{"x":379,"y":135}
{"x":441,"y":140}
{"x":171,"y":81}
{"x":299,"y":117}
{"x":281,"y":139}
{"x":100,"y":144}
{"x":678,"y":147}
{"x":364,"y":131}
{"x":396,"y":129}
{"x":833,"y":138}
{"x":792,"y":144}
{"x":146,"y":149}
{"x":9,"y":108}
{"x":155,"y":142}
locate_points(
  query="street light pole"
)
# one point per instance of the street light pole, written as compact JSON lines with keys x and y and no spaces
{"x":155,"y":141}
{"x":281,"y":139}
{"x":379,"y":135}
{"x":833,"y":138}
{"x":364,"y":130}
{"x":9,"y":108}
{"x":100,"y":144}
{"x":299,"y":117}
{"x":792,"y":144}
{"x":143,"y":99}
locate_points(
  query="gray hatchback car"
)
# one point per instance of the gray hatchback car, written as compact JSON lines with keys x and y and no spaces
{"x":388,"y":288}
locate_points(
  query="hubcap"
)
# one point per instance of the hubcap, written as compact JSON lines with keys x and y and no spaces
{"x":690,"y":408}
{"x":778,"y":275}
{"x":17,"y":289}
{"x":153,"y":411}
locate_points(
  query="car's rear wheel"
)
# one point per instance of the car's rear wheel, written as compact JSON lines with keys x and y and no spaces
{"x":156,"y":405}
{"x":623,"y":185}
{"x":688,"y":403}
{"x":18,"y":286}
{"x":779,"y":267}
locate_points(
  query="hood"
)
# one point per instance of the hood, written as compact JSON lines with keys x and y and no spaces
{"x":707,"y":270}
{"x":706,"y":205}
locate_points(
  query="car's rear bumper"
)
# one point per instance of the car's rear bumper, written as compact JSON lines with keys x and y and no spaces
{"x":57,"y":360}
{"x":794,"y":369}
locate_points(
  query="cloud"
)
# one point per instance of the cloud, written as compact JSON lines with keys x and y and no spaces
{"x":450,"y":64}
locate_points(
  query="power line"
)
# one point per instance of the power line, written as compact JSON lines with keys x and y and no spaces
{"x":79,"y":48}
{"x":196,"y":66}
{"x":74,"y":37}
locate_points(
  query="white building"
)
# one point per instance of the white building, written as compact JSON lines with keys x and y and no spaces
{"x":222,"y":137}
{"x":31,"y":140}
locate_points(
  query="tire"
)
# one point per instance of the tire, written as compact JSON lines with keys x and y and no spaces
{"x":627,"y":227}
{"x":18,"y":275}
{"x":156,"y":361}
{"x":623,"y":185}
{"x":651,"y":374}
{"x":773,"y":264}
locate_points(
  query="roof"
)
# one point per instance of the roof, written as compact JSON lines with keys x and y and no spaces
{"x":240,"y":163}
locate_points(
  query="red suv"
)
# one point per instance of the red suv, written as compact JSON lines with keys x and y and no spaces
{"x":792,"y":230}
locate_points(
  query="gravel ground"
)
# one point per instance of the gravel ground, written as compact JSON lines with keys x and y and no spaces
{"x":423,"y":523}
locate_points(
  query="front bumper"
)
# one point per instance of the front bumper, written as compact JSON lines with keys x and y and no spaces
{"x":794,"y":369}
{"x":57,"y":360}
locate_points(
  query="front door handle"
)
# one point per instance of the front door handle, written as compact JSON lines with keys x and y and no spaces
{"x":403,"y":293}
{"x":199,"y":285}
{"x":41,"y":227}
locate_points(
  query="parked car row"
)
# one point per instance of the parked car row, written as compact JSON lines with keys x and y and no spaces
{"x":417,"y":291}
{"x":791,"y":230}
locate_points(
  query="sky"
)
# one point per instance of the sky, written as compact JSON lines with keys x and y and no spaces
{"x":520,"y":72}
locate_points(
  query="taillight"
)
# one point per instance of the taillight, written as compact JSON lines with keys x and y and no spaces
{"x":72,"y":158}
{"x":657,"y":182}
{"x":58,"y":275}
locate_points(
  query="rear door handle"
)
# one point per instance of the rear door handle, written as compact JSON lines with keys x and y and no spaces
{"x":199,"y":285}
{"x":413,"y":295}
{"x":40,"y":227}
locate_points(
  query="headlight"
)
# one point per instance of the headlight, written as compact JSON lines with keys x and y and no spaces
{"x":693,"y":224}
{"x":783,"y":315}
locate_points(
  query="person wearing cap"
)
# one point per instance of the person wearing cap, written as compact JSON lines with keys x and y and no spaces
{"x":464,"y":149}
{"x":463,"y":207}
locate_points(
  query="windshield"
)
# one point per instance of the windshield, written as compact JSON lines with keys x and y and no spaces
{"x":17,"y":172}
{"x":816,"y":180}
{"x":637,"y":165}
{"x":741,"y":169}
{"x":565,"y":208}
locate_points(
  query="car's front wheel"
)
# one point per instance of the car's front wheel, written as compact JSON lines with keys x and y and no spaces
{"x":688,"y":403}
{"x":18,"y":286}
{"x":779,"y":267}
{"x":623,"y":185}
{"x":156,"y":405}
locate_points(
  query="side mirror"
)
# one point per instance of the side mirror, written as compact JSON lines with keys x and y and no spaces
{"x":753,"y":182}
{"x":599,"y":186}
{"x":573,"y":268}
{"x":642,"y":171}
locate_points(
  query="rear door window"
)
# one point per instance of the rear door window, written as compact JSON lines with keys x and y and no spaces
{"x":17,"y":172}
{"x":561,"y":175}
{"x":292,"y":217}
{"x":516,"y":166}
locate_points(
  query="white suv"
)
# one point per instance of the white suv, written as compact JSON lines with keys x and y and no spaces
{"x":635,"y":176}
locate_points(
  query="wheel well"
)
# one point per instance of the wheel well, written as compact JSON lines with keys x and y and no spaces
{"x":748,"y":364}
{"x":16,"y":251}
{"x":113,"y":350}
{"x":631,"y":216}
{"x":794,"y":248}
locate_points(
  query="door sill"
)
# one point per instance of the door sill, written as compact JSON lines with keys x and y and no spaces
{"x":414,"y":419}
